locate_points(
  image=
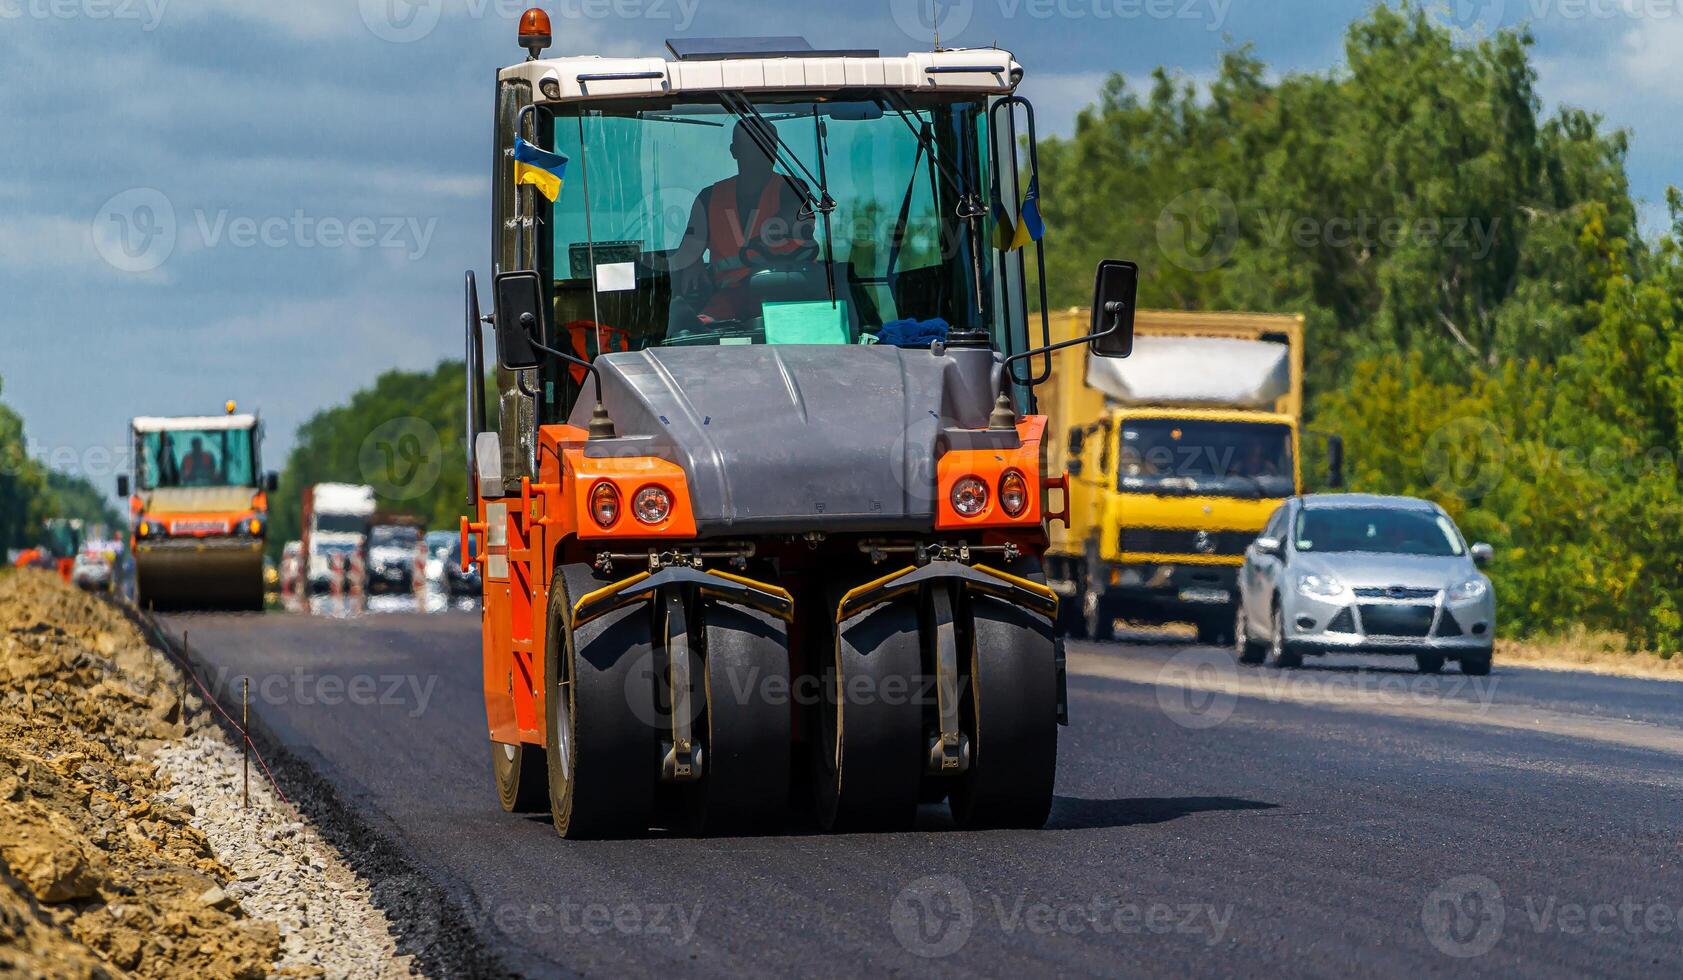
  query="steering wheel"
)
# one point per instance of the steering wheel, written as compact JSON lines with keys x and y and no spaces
{"x":760,"y":256}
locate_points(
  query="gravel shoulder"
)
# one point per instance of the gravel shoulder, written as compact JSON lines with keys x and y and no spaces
{"x":124,"y":846}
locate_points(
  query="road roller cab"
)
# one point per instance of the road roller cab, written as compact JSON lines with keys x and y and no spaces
{"x":198,"y":510}
{"x":760,"y":511}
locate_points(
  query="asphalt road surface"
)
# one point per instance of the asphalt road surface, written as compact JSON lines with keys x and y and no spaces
{"x":1350,"y":818}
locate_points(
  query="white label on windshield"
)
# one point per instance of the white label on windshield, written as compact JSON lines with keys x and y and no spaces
{"x":616,"y":277}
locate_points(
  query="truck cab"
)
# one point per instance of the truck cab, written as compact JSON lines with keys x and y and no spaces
{"x":1176,"y":458}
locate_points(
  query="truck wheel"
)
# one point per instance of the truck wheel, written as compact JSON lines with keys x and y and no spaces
{"x":522,"y":783}
{"x":1280,"y":653}
{"x":603,"y":752}
{"x":1249,"y":651}
{"x":1428,"y":663}
{"x":1010,"y":713}
{"x":1476,"y":664}
{"x":742,"y":687}
{"x":869,"y":750}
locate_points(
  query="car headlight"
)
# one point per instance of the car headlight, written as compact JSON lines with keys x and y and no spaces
{"x":1320,"y":586}
{"x":1473,"y":588}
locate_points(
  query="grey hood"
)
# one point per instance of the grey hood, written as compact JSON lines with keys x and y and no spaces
{"x":792,"y":438}
{"x":1365,"y":569}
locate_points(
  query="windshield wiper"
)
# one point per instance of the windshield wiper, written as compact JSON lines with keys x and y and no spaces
{"x":774,"y":146}
{"x":969,"y":206}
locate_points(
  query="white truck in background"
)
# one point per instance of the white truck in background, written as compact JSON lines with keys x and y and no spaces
{"x":335,"y":520}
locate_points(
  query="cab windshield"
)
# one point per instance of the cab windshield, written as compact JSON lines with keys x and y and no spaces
{"x":1183,"y":456}
{"x":197,"y":458}
{"x":773,"y":222}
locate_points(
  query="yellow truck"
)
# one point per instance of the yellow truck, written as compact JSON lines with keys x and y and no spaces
{"x":1175,"y":458}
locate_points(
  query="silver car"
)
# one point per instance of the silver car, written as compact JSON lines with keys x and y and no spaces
{"x":1354,"y":573}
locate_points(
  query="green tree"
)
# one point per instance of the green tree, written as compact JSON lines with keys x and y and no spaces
{"x":402,"y":435}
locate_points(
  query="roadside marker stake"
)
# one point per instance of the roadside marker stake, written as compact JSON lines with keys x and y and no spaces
{"x":245,"y":742}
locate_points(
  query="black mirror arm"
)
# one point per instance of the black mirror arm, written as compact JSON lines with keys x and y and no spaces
{"x":1004,"y":416}
{"x":601,"y":426}
{"x":1114,"y":308}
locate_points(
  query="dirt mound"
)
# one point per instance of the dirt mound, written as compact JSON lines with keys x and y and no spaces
{"x":99,"y":876}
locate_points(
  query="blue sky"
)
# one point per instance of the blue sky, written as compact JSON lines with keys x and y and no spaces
{"x":302,"y":182}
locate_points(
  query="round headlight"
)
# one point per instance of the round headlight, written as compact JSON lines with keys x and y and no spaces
{"x":604,"y":504}
{"x":652,"y":505}
{"x":970,"y":496}
{"x":1013,"y":493}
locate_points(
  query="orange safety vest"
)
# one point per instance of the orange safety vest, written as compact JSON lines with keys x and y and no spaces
{"x":726,"y":236}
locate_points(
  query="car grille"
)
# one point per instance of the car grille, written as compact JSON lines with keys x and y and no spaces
{"x":1343,"y":622}
{"x":1175,"y":541}
{"x":1447,"y":625}
{"x":1396,"y":592}
{"x":1399,"y":620}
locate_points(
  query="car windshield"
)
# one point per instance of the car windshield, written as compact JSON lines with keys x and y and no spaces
{"x":197,"y":458}
{"x":688,"y":223}
{"x":1382,"y":530}
{"x":1187,"y":456}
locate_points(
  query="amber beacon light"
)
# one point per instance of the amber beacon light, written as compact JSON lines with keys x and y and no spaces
{"x":534,"y":31}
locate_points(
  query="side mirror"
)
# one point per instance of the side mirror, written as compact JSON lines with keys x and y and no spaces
{"x":1270,"y":546}
{"x":271,"y":481}
{"x":519,"y":318}
{"x":123,"y":486}
{"x":1335,"y":462}
{"x":1077,"y":440}
{"x":1482,"y":553}
{"x":1114,"y":289}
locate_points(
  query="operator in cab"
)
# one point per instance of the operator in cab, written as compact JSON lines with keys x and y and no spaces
{"x":736,"y":225}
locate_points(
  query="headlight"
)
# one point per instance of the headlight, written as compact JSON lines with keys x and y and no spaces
{"x":604,"y":504}
{"x":1013,"y":493}
{"x":652,"y":505}
{"x":1320,"y":586}
{"x":1473,"y":588}
{"x":969,"y":496}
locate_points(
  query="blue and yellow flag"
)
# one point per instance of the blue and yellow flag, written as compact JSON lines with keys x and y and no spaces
{"x":1010,"y":234}
{"x":540,"y":168}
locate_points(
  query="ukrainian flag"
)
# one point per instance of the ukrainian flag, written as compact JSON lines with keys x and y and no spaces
{"x":540,"y":168}
{"x":1009,"y":234}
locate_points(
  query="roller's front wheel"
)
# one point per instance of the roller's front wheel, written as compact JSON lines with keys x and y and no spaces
{"x":603,"y":750}
{"x":1010,"y":713}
